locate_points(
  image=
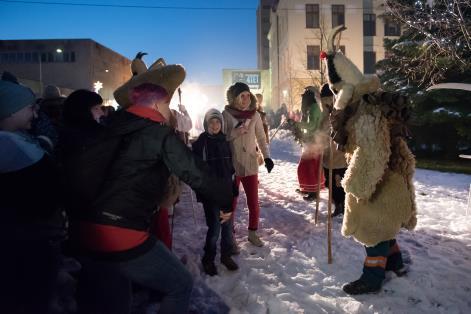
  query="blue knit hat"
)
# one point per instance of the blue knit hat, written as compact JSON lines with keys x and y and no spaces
{"x":13,"y":98}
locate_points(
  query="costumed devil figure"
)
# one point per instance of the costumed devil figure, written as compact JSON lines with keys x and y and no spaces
{"x":306,"y":132}
{"x":380,"y":199}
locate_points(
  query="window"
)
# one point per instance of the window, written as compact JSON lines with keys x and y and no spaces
{"x":312,"y":16}
{"x":43,"y":57}
{"x":313,"y":53}
{"x":391,"y":28}
{"x":369,"y":24}
{"x":35,"y":56}
{"x":72,"y":56}
{"x":59,"y":57}
{"x":50,"y":57}
{"x":11,"y":57}
{"x":4,"y":58}
{"x":20,"y":57}
{"x":28,"y":57}
{"x":338,"y":15}
{"x":369,"y":61}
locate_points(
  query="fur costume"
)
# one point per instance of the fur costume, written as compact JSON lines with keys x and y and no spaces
{"x":380,"y":196}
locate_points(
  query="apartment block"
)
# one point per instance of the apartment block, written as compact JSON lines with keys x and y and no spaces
{"x":298,"y":33}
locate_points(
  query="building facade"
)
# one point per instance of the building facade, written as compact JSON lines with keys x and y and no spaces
{"x":69,"y":64}
{"x":258,"y":80}
{"x":263,"y":27}
{"x":298,"y":31}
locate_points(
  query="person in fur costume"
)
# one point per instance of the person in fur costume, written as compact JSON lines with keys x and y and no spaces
{"x":306,"y":132}
{"x":380,"y":199}
{"x":244,"y":130}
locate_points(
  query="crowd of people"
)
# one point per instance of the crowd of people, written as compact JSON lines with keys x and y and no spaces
{"x":86,"y":191}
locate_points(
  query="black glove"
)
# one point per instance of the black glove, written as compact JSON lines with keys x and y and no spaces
{"x":235,"y":189}
{"x":269,"y":164}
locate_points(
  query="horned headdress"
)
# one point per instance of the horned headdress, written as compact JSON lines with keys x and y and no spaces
{"x":345,"y":79}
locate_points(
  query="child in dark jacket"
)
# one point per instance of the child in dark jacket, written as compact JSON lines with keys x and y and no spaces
{"x":213,"y":148}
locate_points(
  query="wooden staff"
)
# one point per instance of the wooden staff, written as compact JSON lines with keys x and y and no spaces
{"x":329,"y":205}
{"x":318,"y":196}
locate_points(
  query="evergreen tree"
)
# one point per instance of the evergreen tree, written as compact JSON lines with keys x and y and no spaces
{"x":435,"y":47}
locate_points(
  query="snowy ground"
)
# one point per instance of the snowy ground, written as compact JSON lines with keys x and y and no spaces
{"x":290,"y":274}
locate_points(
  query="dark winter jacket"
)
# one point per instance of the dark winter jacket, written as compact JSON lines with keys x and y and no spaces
{"x":29,"y":181}
{"x":216,"y":151}
{"x":136,"y":181}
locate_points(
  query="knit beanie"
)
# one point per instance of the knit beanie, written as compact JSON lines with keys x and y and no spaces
{"x":210,"y":114}
{"x":13,"y":98}
{"x":236,"y":89}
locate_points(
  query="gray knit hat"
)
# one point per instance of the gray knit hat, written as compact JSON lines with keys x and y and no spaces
{"x":13,"y":98}
{"x":210,"y":114}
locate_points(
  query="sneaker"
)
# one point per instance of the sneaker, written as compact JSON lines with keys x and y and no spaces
{"x":360,"y":287}
{"x":209,"y":267}
{"x":229,"y":263}
{"x":254,"y":239}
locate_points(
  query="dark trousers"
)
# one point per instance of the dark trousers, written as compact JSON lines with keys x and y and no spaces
{"x":338,"y":194}
{"x":215,"y":227}
{"x":379,"y":258}
{"x":102,"y":289}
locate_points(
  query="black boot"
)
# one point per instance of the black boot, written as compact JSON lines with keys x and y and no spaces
{"x":299,"y":191}
{"x":311,"y":196}
{"x":360,"y":287}
{"x":338,"y":210}
{"x":209,"y":267}
{"x":229,"y":263}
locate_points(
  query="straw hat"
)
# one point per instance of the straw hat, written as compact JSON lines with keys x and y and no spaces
{"x":159,"y":73}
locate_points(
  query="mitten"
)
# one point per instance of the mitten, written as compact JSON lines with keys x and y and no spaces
{"x":269,"y":164}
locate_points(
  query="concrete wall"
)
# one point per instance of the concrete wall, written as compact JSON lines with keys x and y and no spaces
{"x":91,"y":60}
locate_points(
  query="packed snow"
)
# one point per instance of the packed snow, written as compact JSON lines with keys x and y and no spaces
{"x":290,"y":274}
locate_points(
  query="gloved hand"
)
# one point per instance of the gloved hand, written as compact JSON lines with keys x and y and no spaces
{"x":269,"y":164}
{"x":235,"y":189}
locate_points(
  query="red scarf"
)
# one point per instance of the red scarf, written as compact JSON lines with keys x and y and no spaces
{"x":240,"y":114}
{"x":146,"y":112}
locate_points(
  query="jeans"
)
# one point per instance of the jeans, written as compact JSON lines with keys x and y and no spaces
{"x":162,"y":271}
{"x":214,"y":228}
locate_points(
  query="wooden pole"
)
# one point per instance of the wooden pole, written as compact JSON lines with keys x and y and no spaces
{"x":329,"y":205}
{"x":318,"y":196}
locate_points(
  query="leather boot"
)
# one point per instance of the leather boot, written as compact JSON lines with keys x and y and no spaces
{"x":254,"y":239}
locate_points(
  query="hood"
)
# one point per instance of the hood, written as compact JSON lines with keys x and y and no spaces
{"x":212,"y":113}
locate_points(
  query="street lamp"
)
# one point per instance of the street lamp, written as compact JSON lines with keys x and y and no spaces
{"x":59,"y":51}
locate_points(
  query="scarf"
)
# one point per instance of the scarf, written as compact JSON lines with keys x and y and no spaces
{"x":240,"y":114}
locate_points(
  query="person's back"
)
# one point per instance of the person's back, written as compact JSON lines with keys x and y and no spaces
{"x":116,"y":224}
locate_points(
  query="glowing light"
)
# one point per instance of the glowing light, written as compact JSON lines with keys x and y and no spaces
{"x":196,"y":102}
{"x":97,"y":86}
{"x":58,"y":50}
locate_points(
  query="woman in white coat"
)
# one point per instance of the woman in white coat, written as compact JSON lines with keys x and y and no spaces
{"x":244,"y":130}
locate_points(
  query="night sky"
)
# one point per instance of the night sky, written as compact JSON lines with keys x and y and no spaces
{"x":204,"y":40}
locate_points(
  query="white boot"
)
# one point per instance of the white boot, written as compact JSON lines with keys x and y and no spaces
{"x":254,"y":239}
